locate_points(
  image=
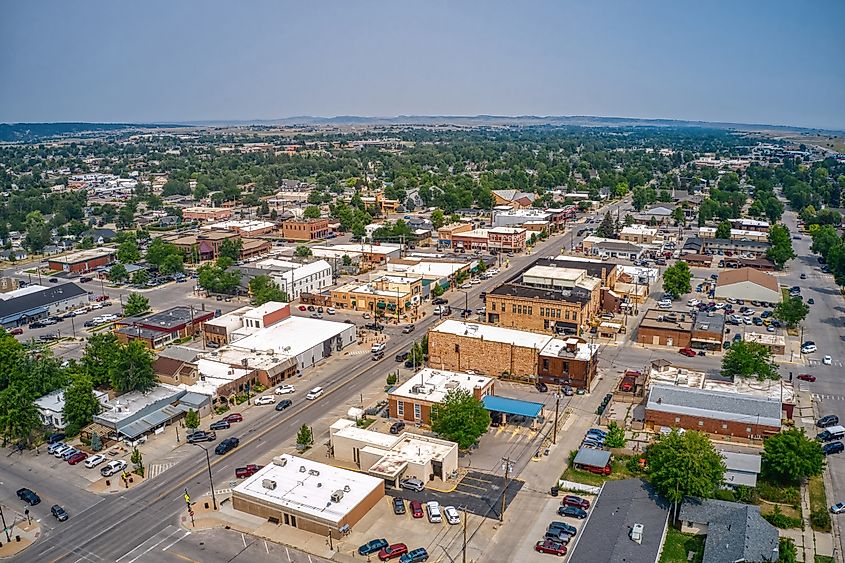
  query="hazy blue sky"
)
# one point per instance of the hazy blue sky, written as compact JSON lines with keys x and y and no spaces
{"x":175,"y":60}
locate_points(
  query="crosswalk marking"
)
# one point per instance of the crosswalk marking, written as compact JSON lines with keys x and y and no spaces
{"x":156,"y":469}
{"x":820,"y":397}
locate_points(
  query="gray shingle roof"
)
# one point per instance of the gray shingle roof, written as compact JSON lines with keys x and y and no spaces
{"x":735,"y":532}
{"x":717,"y":405}
{"x":42,"y":298}
{"x":604,"y":537}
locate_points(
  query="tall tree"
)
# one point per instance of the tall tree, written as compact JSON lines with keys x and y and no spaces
{"x":136,"y":304}
{"x":460,"y":417}
{"x":684,"y":464}
{"x":780,"y":251}
{"x":724,"y":230}
{"x":311,"y":212}
{"x":438,"y":219}
{"x":303,"y":251}
{"x":19,"y":416}
{"x":128,"y":252}
{"x":231,"y":249}
{"x":264,"y":289}
{"x":133,"y":369}
{"x":677,"y":279}
{"x":749,"y":359}
{"x":606,"y":228}
{"x":791,"y":311}
{"x":101,"y":352}
{"x":118,"y":273}
{"x":80,"y":403}
{"x":790,"y":457}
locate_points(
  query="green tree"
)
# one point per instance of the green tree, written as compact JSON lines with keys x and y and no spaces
{"x":787,"y":552}
{"x":137,"y":459}
{"x":37,"y":232}
{"x":172,"y":264}
{"x":391,"y":378}
{"x":825,"y":238}
{"x":749,"y":359}
{"x":629,"y":220}
{"x":80,"y":403}
{"x":128,"y":252}
{"x":643,"y":196}
{"x":346,"y":260}
{"x":304,"y":437}
{"x":791,"y":311}
{"x":132,"y":370}
{"x":264,"y":289}
{"x":101,"y":352}
{"x":790,"y":457}
{"x":303,"y":251}
{"x":606,"y":228}
{"x":684,"y":464}
{"x":678,"y":216}
{"x":158,"y":250}
{"x":677,"y":279}
{"x":460,"y":417}
{"x":231,"y":249}
{"x":311,"y":212}
{"x":118,"y":273}
{"x":615,"y":436}
{"x":192,"y":419}
{"x":437,"y":290}
{"x":136,"y":304}
{"x":438,"y":218}
{"x":96,"y":442}
{"x":19,"y":416}
{"x":780,"y":251}
{"x":140,"y":277}
{"x":724,"y":230}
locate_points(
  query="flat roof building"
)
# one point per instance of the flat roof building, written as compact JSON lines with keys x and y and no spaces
{"x":28,"y":304}
{"x":414,"y":399}
{"x":82,"y":261}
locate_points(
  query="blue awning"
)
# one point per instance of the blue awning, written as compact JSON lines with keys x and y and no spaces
{"x":11,"y":318}
{"x":512,"y":406}
{"x":37,"y":311}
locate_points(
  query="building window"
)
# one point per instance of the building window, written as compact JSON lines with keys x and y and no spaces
{"x":417,"y":411}
{"x":701,"y":423}
{"x":513,"y":308}
{"x":400,"y":408}
{"x":748,"y":429}
{"x":530,"y":310}
{"x":566,"y":316}
{"x":724,"y":427}
{"x":677,"y":419}
{"x":545,"y":364}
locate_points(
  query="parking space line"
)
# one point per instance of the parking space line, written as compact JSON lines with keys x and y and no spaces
{"x":175,"y":542}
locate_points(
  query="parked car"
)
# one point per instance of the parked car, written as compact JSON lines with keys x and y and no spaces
{"x":76,"y":458}
{"x":572,"y":512}
{"x":550,"y":546}
{"x":398,"y":506}
{"x":247,"y":470}
{"x":807,"y":377}
{"x":219,"y":425}
{"x":828,"y":420}
{"x":226,"y":446}
{"x":808,"y":347}
{"x":53,"y":447}
{"x":285,"y":389}
{"x":372,"y":546}
{"x":283,"y":404}
{"x":451,"y":514}
{"x":567,"y":529}
{"x":440,"y":301}
{"x":408,"y":329}
{"x":113,"y":467}
{"x":59,"y":513}
{"x":416,"y":508}
{"x":833,"y":448}
{"x":419,"y":555}
{"x":541,"y":387}
{"x":838,"y":508}
{"x":70,"y":452}
{"x":201,"y":436}
{"x":28,"y":496}
{"x":574,"y":500}
{"x":397,"y":427}
{"x":234,"y":417}
{"x":392,"y":551}
{"x":265,"y":400}
{"x":57,"y":437}
{"x":827,"y":360}
{"x":432,"y":507}
{"x":94,"y":461}
{"x":412,"y":484}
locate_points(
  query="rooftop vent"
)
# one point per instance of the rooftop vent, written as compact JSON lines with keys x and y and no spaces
{"x":314,"y":472}
{"x":302,"y":469}
{"x":337,"y":496}
{"x":268,"y":484}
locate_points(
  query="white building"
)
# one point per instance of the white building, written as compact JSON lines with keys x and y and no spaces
{"x":52,"y":405}
{"x":308,"y":495}
{"x":295,"y":279}
{"x":510,"y":217}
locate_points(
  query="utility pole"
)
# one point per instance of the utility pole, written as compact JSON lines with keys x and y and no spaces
{"x":464,"y":550}
{"x":5,"y":528}
{"x":210,"y":480}
{"x":557,"y":407}
{"x":507,"y":466}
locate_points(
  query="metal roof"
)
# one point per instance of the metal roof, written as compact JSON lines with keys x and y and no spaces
{"x":717,"y":405}
{"x":512,"y":406}
{"x":39,"y":299}
{"x":592,"y":457}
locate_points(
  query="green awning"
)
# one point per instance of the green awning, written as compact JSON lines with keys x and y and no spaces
{"x":381,"y":305}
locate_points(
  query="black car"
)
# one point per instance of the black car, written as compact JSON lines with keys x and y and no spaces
{"x":398,"y":506}
{"x":402,"y":356}
{"x":37,"y":324}
{"x":378,"y":355}
{"x":57,"y":437}
{"x":59,"y":513}
{"x":201,"y":436}
{"x":572,"y":511}
{"x":829,"y":420}
{"x":833,"y":448}
{"x":28,"y":496}
{"x":226,"y":446}
{"x":440,"y":301}
{"x":541,"y":387}
{"x":282,"y":405}
{"x":220,"y":425}
{"x":397,"y":427}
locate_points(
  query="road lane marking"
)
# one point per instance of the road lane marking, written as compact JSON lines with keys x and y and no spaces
{"x":176,"y":541}
{"x":288,"y":553}
{"x":243,"y":538}
{"x":267,"y":549}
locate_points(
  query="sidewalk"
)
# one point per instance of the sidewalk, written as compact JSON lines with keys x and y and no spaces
{"x":23,"y":535}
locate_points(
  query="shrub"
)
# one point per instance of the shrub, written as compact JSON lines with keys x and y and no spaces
{"x":780,"y":520}
{"x":391,"y":379}
{"x":778,"y":493}
{"x":820,"y":519}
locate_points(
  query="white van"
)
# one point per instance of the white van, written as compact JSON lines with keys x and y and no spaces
{"x":314,"y":393}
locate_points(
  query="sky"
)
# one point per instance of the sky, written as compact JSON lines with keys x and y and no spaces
{"x":767,"y":62}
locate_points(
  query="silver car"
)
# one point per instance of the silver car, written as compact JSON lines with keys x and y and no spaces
{"x":412,"y":484}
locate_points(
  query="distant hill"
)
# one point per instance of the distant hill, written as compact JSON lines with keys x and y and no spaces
{"x":33,"y":132}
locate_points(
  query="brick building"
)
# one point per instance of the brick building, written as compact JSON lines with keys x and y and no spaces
{"x":446,"y":233}
{"x":506,"y":239}
{"x":666,"y":328}
{"x":536,"y":309}
{"x":206,"y":214}
{"x":82,"y":261}
{"x":490,"y":350}
{"x":570,"y":362}
{"x":383,"y":294}
{"x":158,"y":329}
{"x":412,"y":401}
{"x":305,"y":229}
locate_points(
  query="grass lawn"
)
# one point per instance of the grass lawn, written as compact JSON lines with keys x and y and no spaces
{"x":818,"y":500}
{"x":678,"y":545}
{"x":620,"y":471}
{"x":823,"y":559}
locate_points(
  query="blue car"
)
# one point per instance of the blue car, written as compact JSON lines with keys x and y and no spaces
{"x":372,"y":546}
{"x":415,"y":556}
{"x":833,"y":448}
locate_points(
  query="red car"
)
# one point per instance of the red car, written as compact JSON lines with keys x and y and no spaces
{"x":234,"y":417}
{"x":807,"y":377}
{"x":392,"y":551}
{"x":688,"y":352}
{"x":549,"y":546}
{"x":247,"y":470}
{"x":574,"y":500}
{"x":77,"y":457}
{"x":15,"y":331}
{"x":416,"y":509}
{"x":100,"y":298}
{"x":303,"y":308}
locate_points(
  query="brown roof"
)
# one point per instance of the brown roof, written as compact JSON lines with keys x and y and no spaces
{"x":167,"y":366}
{"x":696,"y":258}
{"x":730,"y":277}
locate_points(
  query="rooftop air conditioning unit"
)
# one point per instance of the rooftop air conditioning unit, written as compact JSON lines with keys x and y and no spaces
{"x":337,"y":496}
{"x":268,"y":484}
{"x":314,"y":472}
{"x":637,"y":533}
{"x":302,"y":469}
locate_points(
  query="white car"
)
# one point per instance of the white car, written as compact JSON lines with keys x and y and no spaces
{"x":331,"y":311}
{"x":664,"y":304}
{"x":731,"y":300}
{"x":285,"y":389}
{"x":113,"y":467}
{"x":827,"y":360}
{"x":808,"y":348}
{"x":98,"y":320}
{"x":265,"y":400}
{"x":314,"y":393}
{"x":466,"y":285}
{"x":377,"y":347}
{"x":59,"y":452}
{"x":475,"y":281}
{"x":838,"y":508}
{"x":693,"y":302}
{"x":433,"y":509}
{"x":452,"y":516}
{"x":94,"y":460}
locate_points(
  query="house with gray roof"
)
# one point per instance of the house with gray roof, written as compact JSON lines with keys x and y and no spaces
{"x":735,"y":532}
{"x":740,"y":469}
{"x":621,"y":507}
{"x":716,"y":412}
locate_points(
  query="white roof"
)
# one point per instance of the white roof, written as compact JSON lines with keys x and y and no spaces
{"x":583,"y":351}
{"x":132,"y":402}
{"x":639,"y":229}
{"x":555,"y":273}
{"x":231,"y":320}
{"x":305,"y":487}
{"x":292,"y":336}
{"x":577,"y":258}
{"x":21,"y":292}
{"x":267,"y":308}
{"x":55,"y":401}
{"x":765,"y":338}
{"x":432,"y":385}
{"x":425,"y":268}
{"x":493,"y":333}
{"x":361,"y":248}
{"x":506,"y":230}
{"x":246,"y":225}
{"x":507,"y":211}
{"x":219,"y":373}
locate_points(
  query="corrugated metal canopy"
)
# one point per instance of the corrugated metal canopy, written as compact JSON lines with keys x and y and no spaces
{"x":512,"y":406}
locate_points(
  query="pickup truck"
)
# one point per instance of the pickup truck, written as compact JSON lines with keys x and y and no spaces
{"x":247,"y":470}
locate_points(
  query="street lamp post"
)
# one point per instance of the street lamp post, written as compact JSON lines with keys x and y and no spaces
{"x":210,"y":479}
